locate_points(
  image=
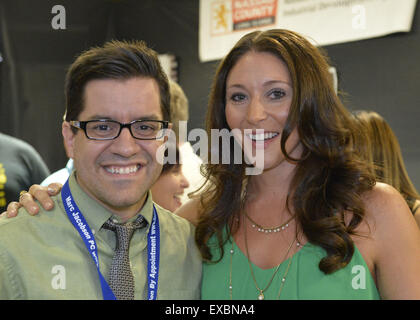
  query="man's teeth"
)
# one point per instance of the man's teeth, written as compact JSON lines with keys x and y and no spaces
{"x":262,"y":136}
{"x":123,"y":170}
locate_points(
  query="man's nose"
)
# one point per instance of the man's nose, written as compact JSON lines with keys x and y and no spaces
{"x":126,"y":145}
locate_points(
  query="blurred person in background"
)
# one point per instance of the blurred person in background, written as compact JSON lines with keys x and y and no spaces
{"x":20,"y":167}
{"x":169,"y":188}
{"x":191,"y":163}
{"x":378,"y":145}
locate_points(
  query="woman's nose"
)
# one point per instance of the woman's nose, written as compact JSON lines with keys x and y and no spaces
{"x":184,"y":182}
{"x":256,"y":111}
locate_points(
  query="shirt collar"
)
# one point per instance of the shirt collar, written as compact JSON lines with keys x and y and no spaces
{"x":96,"y":214}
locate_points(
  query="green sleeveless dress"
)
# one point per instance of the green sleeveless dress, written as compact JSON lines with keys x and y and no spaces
{"x":304,"y":280}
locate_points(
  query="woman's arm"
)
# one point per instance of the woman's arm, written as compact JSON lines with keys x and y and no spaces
{"x":27,"y":200}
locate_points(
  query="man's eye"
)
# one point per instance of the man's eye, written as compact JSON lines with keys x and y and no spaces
{"x":145,"y":128}
{"x":102,"y":127}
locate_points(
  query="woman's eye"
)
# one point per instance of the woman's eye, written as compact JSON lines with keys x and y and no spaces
{"x":237,"y":97}
{"x":276,"y":94}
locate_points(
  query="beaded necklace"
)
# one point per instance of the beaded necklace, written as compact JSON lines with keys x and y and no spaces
{"x":265,"y":230}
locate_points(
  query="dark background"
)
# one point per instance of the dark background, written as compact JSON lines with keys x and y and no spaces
{"x":381,"y":74}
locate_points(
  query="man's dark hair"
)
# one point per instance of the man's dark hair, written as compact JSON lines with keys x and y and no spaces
{"x":119,"y":60}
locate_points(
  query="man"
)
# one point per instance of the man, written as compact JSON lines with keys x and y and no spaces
{"x":117,"y":106}
{"x":191,"y":163}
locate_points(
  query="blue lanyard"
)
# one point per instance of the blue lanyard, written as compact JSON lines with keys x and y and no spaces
{"x":153,"y":245}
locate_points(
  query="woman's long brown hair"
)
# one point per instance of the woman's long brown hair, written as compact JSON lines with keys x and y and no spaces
{"x":328,"y":180}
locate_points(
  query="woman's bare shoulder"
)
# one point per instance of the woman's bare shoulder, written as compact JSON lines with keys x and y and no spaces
{"x":386,"y":210}
{"x":396,"y":242}
{"x":190,"y":210}
{"x":384,"y":203}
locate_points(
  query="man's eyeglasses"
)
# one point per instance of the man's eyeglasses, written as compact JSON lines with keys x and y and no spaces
{"x":105,"y":129}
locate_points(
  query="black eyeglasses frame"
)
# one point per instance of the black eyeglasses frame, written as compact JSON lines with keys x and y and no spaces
{"x":82,"y":125}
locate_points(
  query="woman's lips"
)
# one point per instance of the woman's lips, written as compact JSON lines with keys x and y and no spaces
{"x":263,"y":139}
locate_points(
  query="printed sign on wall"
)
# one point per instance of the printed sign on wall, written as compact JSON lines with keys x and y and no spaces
{"x":324,"y":22}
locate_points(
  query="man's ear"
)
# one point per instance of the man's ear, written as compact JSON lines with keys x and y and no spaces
{"x":168,"y":133}
{"x":68,"y":138}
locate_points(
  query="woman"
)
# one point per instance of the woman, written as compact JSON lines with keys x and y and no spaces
{"x":169,"y":187}
{"x":378,"y":144}
{"x":313,"y":225}
{"x":332,"y":219}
